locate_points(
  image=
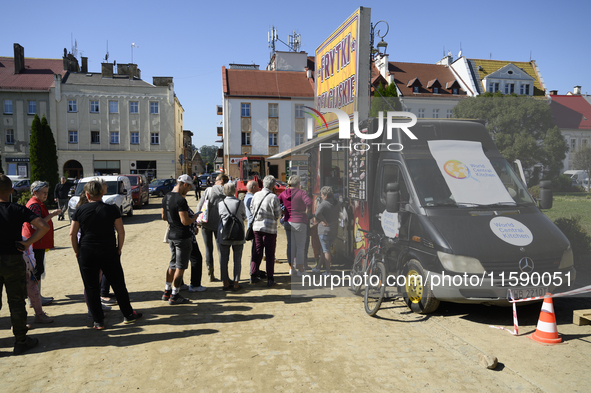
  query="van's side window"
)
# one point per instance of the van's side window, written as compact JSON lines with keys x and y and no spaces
{"x":391,"y":174}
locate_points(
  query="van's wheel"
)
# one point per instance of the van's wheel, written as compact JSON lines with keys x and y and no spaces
{"x":416,"y":292}
{"x":147,"y":201}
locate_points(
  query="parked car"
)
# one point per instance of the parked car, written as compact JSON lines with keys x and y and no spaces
{"x":21,"y":185}
{"x":118,"y":194}
{"x":140,"y":190}
{"x":160,"y":187}
{"x":203,"y":178}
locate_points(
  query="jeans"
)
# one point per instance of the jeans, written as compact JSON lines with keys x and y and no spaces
{"x":90,"y":261}
{"x":13,"y":275}
{"x":225,"y":258}
{"x":62,"y":204}
{"x":39,"y":263}
{"x":268,"y":242}
{"x":208,"y":236}
{"x":299,"y":233}
{"x":196,"y":266}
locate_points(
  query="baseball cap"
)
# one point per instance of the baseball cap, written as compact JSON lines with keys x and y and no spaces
{"x":185,"y":179}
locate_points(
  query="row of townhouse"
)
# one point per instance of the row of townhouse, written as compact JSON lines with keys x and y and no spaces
{"x":106,"y":122}
{"x":264,"y":110}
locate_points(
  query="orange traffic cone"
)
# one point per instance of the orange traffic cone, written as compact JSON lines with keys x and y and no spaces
{"x":546,"y":331}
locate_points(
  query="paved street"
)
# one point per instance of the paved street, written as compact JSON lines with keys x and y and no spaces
{"x":264,"y":339}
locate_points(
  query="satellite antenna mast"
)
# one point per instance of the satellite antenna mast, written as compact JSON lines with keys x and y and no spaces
{"x":295,"y":41}
{"x":271,"y":38}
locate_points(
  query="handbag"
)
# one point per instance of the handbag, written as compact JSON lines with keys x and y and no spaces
{"x":202,"y":217}
{"x":250,"y":232}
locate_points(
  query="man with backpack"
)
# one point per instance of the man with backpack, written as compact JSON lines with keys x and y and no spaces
{"x":175,"y":211}
{"x":213,"y":195}
{"x":231,"y":235}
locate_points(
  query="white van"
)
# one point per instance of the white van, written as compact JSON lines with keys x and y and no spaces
{"x":118,"y":193}
{"x":577,"y":176}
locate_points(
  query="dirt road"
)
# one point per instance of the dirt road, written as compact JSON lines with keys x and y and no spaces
{"x":264,"y":339}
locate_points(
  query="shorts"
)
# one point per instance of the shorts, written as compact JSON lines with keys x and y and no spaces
{"x":326,"y":242}
{"x":180,"y":253}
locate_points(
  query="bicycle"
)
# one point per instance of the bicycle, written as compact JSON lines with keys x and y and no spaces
{"x":366,"y":267}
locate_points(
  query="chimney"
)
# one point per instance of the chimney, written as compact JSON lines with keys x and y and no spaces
{"x":133,"y":71}
{"x":84,"y":64}
{"x":107,"y":70}
{"x":19,"y":59}
{"x":161,"y":80}
{"x":577,"y":90}
{"x":553,"y":92}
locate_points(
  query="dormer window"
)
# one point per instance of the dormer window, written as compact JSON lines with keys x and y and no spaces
{"x":454,"y":91}
{"x":453,"y":86}
{"x":415,"y":89}
{"x":434,"y":85}
{"x":524,"y":89}
{"x":415,"y":84}
{"x":436,"y":90}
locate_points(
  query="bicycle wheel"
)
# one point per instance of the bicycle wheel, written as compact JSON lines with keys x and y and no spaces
{"x":375,"y":288}
{"x":357,"y":271}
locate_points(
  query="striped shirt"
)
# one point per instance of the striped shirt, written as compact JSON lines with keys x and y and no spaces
{"x":268,"y":214}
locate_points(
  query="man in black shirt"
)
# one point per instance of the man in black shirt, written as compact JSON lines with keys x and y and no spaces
{"x":175,"y":211}
{"x":60,"y":194}
{"x":12,"y":265}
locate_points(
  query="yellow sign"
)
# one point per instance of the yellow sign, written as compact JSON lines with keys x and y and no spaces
{"x":337,"y":76}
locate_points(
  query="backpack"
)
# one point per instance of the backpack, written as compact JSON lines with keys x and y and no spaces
{"x":233,"y":228}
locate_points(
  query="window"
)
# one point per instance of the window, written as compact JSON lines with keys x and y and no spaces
{"x":509,"y":88}
{"x":436,"y":90}
{"x":72,"y":106}
{"x":135,"y":138}
{"x":272,"y":139}
{"x":392,"y":174}
{"x":154,"y":138}
{"x":450,"y":113}
{"x":246,"y":138}
{"x":154,"y":108}
{"x":9,"y":136}
{"x":32,"y":107}
{"x":94,"y":107}
{"x":8,"y":107}
{"x":524,"y":90}
{"x":299,"y":138}
{"x":436,"y":113}
{"x":299,"y":111}
{"x":273,"y":110}
{"x":421,"y":113}
{"x":95,"y":137}
{"x":114,"y":137}
{"x":573,"y":145}
{"x":134,"y":107}
{"x":454,"y":90}
{"x":113,"y":106}
{"x":73,"y":137}
{"x":415,"y":89}
{"x":245,"y":110}
{"x":493,"y":87}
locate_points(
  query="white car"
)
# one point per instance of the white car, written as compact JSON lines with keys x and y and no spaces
{"x":118,"y":193}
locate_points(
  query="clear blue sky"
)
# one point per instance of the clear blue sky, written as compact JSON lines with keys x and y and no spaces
{"x":192,"y":40}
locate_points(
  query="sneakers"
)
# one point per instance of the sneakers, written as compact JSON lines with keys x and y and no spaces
{"x":99,"y":325}
{"x":132,"y":318}
{"x":254,"y":279}
{"x":271,"y":283}
{"x":166,"y":295}
{"x":46,"y":301}
{"x":291,"y":271}
{"x":184,"y":287}
{"x":21,"y":347}
{"x":200,"y":288}
{"x":105,"y":308}
{"x":261,"y":274}
{"x":43,"y":318}
{"x":315,"y":270}
{"x":302,"y":273}
{"x":326,"y":274}
{"x":106,"y":301}
{"x":178,"y":299}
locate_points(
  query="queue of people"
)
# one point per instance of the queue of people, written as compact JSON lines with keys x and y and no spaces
{"x":97,"y":237}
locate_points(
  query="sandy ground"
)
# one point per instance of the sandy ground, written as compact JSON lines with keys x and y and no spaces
{"x":264,"y":339}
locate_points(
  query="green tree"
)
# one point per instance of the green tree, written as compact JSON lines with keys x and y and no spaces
{"x":43,"y":154}
{"x":582,"y":160}
{"x":522,"y":128}
{"x":208,"y":155}
{"x":384,"y":99}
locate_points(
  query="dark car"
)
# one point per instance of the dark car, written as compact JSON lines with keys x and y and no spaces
{"x":161,"y":187}
{"x":140,"y":190}
{"x":22,"y":185}
{"x":203,"y":179}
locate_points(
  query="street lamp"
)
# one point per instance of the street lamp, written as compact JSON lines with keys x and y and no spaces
{"x":382,"y":43}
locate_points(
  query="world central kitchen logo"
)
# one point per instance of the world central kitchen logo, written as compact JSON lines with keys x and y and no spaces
{"x":393,"y":120}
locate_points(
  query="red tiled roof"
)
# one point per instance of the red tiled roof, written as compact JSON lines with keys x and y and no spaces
{"x":37,"y":75}
{"x":409,"y":72}
{"x":571,"y":112}
{"x":260,"y":83}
